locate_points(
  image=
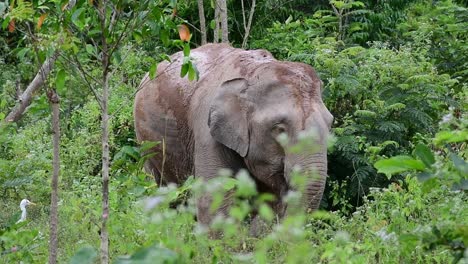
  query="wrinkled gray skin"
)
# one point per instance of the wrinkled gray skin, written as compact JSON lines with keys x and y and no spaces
{"x":230,"y":118}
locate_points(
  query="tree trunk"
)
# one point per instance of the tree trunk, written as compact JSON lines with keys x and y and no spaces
{"x":224,"y":21}
{"x":105,"y":136}
{"x":249,"y":24}
{"x":201,"y":13}
{"x":33,"y":87}
{"x":54,"y":101}
{"x":105,"y":171}
{"x":216,"y":19}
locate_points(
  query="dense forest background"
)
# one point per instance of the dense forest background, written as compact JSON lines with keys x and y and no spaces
{"x":395,"y":79}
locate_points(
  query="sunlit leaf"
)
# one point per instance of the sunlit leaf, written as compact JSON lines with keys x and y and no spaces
{"x":424,"y":154}
{"x":266,"y":212}
{"x":153,"y":70}
{"x":186,"y":49}
{"x":184,"y":70}
{"x":60,"y":79}
{"x":398,"y":164}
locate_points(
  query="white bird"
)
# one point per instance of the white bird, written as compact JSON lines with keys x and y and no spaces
{"x":23,"y":204}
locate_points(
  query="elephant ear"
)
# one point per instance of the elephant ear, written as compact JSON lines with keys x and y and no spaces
{"x":228,"y":116}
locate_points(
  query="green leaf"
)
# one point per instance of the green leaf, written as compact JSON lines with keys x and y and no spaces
{"x":184,"y":70}
{"x":84,"y":255}
{"x":425,"y":154}
{"x":266,"y":212}
{"x":460,"y":164}
{"x":60,"y":79}
{"x":192,"y":75}
{"x":164,"y":35}
{"x":146,"y":145}
{"x":6,"y":22}
{"x":165,"y":57}
{"x":78,"y":19}
{"x":22,"y":53}
{"x":398,"y":164}
{"x":213,"y":24}
{"x":444,"y":137}
{"x":153,"y":70}
{"x":186,"y":49}
{"x":90,"y":49}
{"x":137,"y":36}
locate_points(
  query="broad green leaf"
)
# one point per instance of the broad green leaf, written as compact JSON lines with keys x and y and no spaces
{"x":164,"y":35}
{"x":186,"y":49}
{"x":266,"y":212}
{"x":60,"y":79}
{"x":398,"y":164}
{"x":153,"y":70}
{"x":460,"y":164}
{"x":192,"y":75}
{"x":137,"y":36}
{"x":22,"y":53}
{"x":117,"y":58}
{"x":184,"y":70}
{"x":425,"y":154}
{"x":6,"y":22}
{"x":78,"y":19}
{"x":451,"y":137}
{"x":165,"y":57}
{"x":146,"y":145}
{"x":90,"y":49}
{"x":84,"y":255}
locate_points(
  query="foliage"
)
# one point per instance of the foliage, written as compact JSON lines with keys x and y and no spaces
{"x":441,"y":27}
{"x":397,"y":185}
{"x":381,"y":99}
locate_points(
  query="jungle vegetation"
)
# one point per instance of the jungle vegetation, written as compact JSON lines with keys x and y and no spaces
{"x":395,"y":79}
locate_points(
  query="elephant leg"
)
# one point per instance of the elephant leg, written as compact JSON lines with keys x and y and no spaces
{"x":208,"y":162}
{"x":260,"y":227}
{"x":151,"y":168}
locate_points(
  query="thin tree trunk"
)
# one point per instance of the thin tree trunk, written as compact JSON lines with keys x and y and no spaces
{"x":224,"y":21}
{"x":105,"y":172}
{"x":249,"y":24}
{"x":216,"y":19}
{"x":54,"y":101}
{"x":19,"y":91}
{"x":105,"y":137}
{"x":201,"y":14}
{"x":33,"y":87}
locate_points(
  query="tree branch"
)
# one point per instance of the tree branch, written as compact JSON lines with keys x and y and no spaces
{"x":247,"y":28}
{"x":201,"y":14}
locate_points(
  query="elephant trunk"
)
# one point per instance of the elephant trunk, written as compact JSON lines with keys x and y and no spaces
{"x":312,"y":177}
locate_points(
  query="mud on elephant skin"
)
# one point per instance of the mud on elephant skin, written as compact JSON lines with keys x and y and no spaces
{"x":230,"y":118}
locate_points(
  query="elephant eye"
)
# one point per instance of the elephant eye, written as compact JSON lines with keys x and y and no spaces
{"x":278,"y":129}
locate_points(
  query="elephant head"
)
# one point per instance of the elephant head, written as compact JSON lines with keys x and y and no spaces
{"x":248,"y":114}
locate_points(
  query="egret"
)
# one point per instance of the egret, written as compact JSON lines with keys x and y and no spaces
{"x":23,"y":204}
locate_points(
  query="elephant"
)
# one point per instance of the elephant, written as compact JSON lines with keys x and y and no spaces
{"x":230,"y":118}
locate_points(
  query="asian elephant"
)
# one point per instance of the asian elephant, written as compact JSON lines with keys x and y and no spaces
{"x":230,"y":118}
